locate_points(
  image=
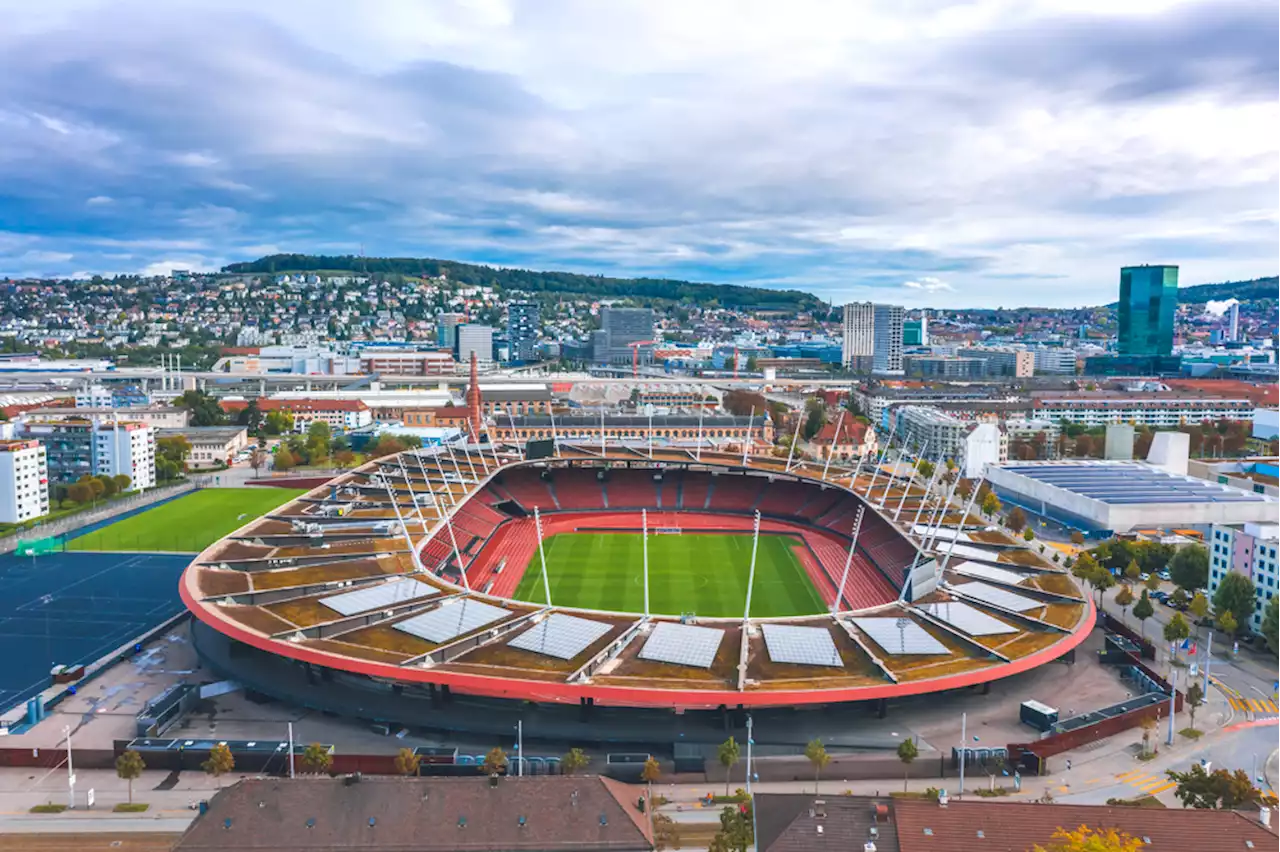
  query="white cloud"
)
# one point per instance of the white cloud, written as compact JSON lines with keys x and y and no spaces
{"x":1218,"y":308}
{"x":929,"y":285}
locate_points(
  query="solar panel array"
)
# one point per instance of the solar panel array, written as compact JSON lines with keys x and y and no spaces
{"x":988,"y":572}
{"x":452,"y":619}
{"x":1127,"y":483}
{"x":968,"y":619}
{"x":560,"y":635}
{"x":998,"y":597}
{"x":380,"y":596}
{"x":682,"y":644}
{"x":965,"y":551}
{"x":804,"y":646}
{"x":900,"y":636}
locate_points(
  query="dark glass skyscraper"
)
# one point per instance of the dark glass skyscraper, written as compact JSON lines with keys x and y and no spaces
{"x":1148,"y":300}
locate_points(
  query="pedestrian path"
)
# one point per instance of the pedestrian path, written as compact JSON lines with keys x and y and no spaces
{"x":1256,"y":706}
{"x":1150,"y":784}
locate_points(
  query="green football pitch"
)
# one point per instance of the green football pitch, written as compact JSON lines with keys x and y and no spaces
{"x":188,"y":524}
{"x":704,"y":574}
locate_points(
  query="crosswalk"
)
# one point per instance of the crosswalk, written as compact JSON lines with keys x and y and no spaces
{"x":1150,"y":784}
{"x":1257,"y":706}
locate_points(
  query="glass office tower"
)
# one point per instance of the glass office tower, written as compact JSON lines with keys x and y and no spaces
{"x":1148,"y":299}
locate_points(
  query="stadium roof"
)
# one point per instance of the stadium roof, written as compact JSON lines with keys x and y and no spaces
{"x":1130,"y":482}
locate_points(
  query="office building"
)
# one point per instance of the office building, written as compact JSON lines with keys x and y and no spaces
{"x":524,"y":324}
{"x":938,"y":433}
{"x":211,"y":446}
{"x":1148,"y":300}
{"x":1004,"y":363}
{"x":402,"y":362}
{"x":943,"y":367}
{"x":24,"y":481}
{"x":475,"y":340}
{"x":619,"y":329}
{"x":916,"y":332}
{"x":1233,"y":323}
{"x":341,"y":415}
{"x":447,"y":328}
{"x":873,"y":337}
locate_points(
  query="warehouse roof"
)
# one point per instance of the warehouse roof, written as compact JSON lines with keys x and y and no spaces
{"x":1129,"y":482}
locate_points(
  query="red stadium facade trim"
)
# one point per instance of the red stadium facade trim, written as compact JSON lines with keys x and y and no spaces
{"x":623,"y":696}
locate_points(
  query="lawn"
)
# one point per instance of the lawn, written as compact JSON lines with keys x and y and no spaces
{"x":701,"y":573}
{"x":188,"y":524}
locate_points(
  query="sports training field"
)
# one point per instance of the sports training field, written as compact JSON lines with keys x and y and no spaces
{"x":705,"y":574}
{"x":188,"y":524}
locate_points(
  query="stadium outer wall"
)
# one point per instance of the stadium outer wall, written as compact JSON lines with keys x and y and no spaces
{"x":520,"y":689}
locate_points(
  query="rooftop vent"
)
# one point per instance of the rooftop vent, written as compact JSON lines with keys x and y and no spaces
{"x":819,"y":829}
{"x":604,"y":818}
{"x":868,"y":847}
{"x":981,"y":834}
{"x":462,"y":822}
{"x":311,"y":822}
{"x":373,"y":821}
{"x":522,"y":820}
{"x":928,"y":832}
{"x":226,"y":823}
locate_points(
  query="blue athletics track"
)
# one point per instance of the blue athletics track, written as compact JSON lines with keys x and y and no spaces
{"x":73,"y":608}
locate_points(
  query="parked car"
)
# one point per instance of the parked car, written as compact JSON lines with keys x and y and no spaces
{"x":1163,"y":597}
{"x":1165,"y":575}
{"x":1144,"y":577}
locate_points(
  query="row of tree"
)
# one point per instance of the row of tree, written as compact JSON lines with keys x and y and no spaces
{"x":90,"y":489}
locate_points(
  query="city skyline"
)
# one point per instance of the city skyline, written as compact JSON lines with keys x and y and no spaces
{"x":842,"y":154}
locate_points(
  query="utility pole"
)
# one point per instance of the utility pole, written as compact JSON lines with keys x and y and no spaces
{"x":750,"y":742}
{"x":71,"y":772}
{"x":290,"y":749}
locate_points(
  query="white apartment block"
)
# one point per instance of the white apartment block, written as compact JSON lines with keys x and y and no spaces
{"x":128,"y":448}
{"x":1141,"y":410}
{"x":1061,"y":362}
{"x":937,"y":433}
{"x":1249,"y":550}
{"x":24,"y":481}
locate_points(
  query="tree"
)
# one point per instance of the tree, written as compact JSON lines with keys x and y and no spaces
{"x":220,"y":762}
{"x":736,"y":832}
{"x":964,"y":488}
{"x":251,"y":417}
{"x":495,"y":763}
{"x":1175,"y":631}
{"x":1077,"y":538}
{"x":728,"y":754}
{"x":1198,"y":607}
{"x":925,"y":468}
{"x":344,"y":459}
{"x":817,"y":754}
{"x":1269,"y":624}
{"x":316,"y":758}
{"x":258,"y":460}
{"x":1143,"y":610}
{"x":318,"y":437}
{"x":1016,"y":520}
{"x":1086,"y":839}
{"x":278,"y":422}
{"x":1235,"y":595}
{"x":666,"y":831}
{"x":649,"y":773}
{"x":1152,"y":582}
{"x":907,"y":752}
{"x":1124,"y":600}
{"x":123,"y":481}
{"x":175,"y":449}
{"x":205,"y":410}
{"x":1178,"y":599}
{"x":814,"y":420}
{"x":1218,"y":789}
{"x":95,"y":485}
{"x":1028,"y":534}
{"x":1227,"y":622}
{"x":108,"y":485}
{"x":1132,"y":571}
{"x":1189,"y":567}
{"x":574,"y":760}
{"x":990,"y":504}
{"x":407,"y":762}
{"x":129,"y":765}
{"x":284,"y":459}
{"x":1193,"y":699}
{"x":79,"y":492}
{"x":1149,"y":725}
{"x":1101,"y":580}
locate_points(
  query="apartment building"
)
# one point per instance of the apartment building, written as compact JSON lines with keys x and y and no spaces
{"x":1249,"y":550}
{"x":939,"y":433}
{"x":211,"y":445}
{"x":1054,"y":362}
{"x":126,"y":448}
{"x":155,"y":416}
{"x":873,"y":337}
{"x":1004,"y":363}
{"x":1162,"y":409}
{"x":24,"y":481}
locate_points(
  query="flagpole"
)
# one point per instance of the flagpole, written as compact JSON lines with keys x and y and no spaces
{"x":834,"y":440}
{"x":644,"y":545}
{"x":751,"y":576}
{"x":542,"y":556}
{"x":853,"y":546}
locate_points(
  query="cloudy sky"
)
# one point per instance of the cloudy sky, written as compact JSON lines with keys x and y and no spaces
{"x":988,"y":153}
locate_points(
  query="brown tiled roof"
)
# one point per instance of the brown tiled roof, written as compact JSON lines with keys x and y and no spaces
{"x":838,"y":823}
{"x":423,"y":815}
{"x":1018,"y":826}
{"x":851,"y":432}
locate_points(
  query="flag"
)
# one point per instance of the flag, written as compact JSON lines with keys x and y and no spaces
{"x":1193,"y":647}
{"x":1186,"y":643}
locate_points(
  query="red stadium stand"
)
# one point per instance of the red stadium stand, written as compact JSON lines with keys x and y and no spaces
{"x":735,"y":493}
{"x":696,"y":491}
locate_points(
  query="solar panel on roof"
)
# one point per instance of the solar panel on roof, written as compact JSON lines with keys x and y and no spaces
{"x":380,"y":596}
{"x":968,"y":619}
{"x":966,"y":551}
{"x":450,"y":619}
{"x":682,"y":644}
{"x":805,"y":646}
{"x":560,"y":635}
{"x":900,"y":636}
{"x":1128,"y":483}
{"x":988,"y":572}
{"x":998,"y":597}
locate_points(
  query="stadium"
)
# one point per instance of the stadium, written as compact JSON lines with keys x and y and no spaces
{"x":623,"y":577}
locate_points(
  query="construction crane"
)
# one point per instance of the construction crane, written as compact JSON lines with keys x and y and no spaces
{"x":635,"y":355}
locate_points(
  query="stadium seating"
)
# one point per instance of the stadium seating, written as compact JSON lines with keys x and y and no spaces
{"x":578,"y":490}
{"x":529,"y":490}
{"x":736,"y":493}
{"x":696,"y":490}
{"x":631,"y":489}
{"x":783,"y":498}
{"x":669,"y":490}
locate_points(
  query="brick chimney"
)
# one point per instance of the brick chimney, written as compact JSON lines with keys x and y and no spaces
{"x":474,"y":409}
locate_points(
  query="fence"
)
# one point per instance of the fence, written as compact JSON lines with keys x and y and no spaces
{"x":111,"y":510}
